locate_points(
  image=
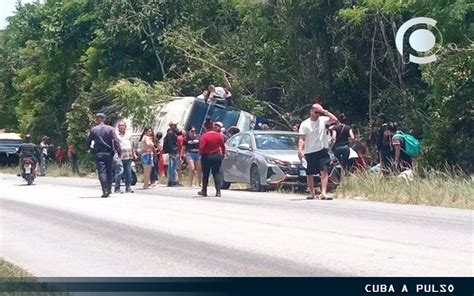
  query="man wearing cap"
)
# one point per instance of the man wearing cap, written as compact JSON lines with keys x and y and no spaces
{"x":106,"y":144}
{"x":170,"y":146}
{"x":219,"y":127}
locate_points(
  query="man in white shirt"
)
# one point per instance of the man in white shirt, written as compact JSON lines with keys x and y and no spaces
{"x":313,"y":146}
{"x":123,"y":164}
{"x":44,"y":146}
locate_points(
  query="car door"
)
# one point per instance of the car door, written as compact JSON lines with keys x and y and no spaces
{"x":229,"y":162}
{"x":244,"y":159}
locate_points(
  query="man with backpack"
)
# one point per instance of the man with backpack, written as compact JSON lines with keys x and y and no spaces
{"x":405,"y":147}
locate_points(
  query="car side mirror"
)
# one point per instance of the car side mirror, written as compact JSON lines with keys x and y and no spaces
{"x":244,"y":147}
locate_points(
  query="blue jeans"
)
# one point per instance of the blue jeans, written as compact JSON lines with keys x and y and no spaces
{"x":153,"y":174}
{"x":42,"y":164}
{"x":123,"y":167}
{"x":173,"y":163}
{"x":103,"y":161}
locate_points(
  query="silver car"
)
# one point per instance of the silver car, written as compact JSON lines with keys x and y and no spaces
{"x":263,"y":159}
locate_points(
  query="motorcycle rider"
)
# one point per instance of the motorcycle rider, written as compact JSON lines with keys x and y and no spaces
{"x":28,"y":150}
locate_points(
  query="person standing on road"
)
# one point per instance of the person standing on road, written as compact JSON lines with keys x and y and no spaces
{"x":182,"y":157}
{"x":106,"y":145}
{"x":154,"y":178}
{"x":212,"y":150}
{"x":123,"y":165}
{"x":44,"y":146}
{"x":191,"y":150}
{"x":170,"y":146}
{"x":147,"y":147}
{"x":313,"y":146}
{"x":160,"y":166}
{"x":341,"y":133}
{"x":72,"y":158}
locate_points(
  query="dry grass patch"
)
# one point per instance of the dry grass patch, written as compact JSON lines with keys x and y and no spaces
{"x":450,"y":188}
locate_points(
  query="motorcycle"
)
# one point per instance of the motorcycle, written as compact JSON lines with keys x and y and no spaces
{"x":28,"y":170}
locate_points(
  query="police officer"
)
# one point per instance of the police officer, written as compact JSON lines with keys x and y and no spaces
{"x":106,"y":144}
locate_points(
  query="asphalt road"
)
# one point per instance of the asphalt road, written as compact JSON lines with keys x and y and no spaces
{"x":59,"y":227}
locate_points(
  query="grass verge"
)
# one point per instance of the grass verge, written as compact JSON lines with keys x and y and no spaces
{"x":52,"y":171}
{"x":450,"y":188}
{"x":17,"y":281}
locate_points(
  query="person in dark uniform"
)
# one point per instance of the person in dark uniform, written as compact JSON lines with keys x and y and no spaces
{"x":106,"y":144}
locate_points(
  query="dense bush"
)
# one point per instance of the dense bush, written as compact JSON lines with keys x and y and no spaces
{"x":63,"y":60}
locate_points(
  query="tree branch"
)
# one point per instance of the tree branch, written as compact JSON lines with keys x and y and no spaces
{"x":278,"y":113}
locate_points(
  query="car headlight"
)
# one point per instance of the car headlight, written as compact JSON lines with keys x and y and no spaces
{"x":276,"y":161}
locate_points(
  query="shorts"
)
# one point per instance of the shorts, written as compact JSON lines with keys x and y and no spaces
{"x":192,"y":155}
{"x":317,"y":161}
{"x":147,"y":159}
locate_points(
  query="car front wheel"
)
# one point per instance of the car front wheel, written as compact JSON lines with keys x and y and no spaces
{"x":255,"y":183}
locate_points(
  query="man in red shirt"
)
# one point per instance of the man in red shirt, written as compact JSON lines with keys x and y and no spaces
{"x":212,"y":150}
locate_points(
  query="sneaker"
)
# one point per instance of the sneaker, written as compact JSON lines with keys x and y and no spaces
{"x":118,"y":191}
{"x":201,"y":193}
{"x":310,"y":197}
{"x":129,"y":190}
{"x":325,"y":197}
{"x":105,"y":194}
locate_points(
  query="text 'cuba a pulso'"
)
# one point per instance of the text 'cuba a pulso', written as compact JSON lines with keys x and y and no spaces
{"x":419,"y":288}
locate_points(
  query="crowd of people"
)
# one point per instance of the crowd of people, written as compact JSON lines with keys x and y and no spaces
{"x":46,"y":153}
{"x":320,"y":135}
{"x":203,"y":155}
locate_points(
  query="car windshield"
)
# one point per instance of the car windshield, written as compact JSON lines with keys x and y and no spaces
{"x":276,"y":141}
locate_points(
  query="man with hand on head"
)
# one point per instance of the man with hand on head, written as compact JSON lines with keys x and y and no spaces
{"x":313,"y":146}
{"x":106,"y":144}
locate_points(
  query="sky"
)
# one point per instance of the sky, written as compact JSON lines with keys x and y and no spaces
{"x":7,"y":8}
